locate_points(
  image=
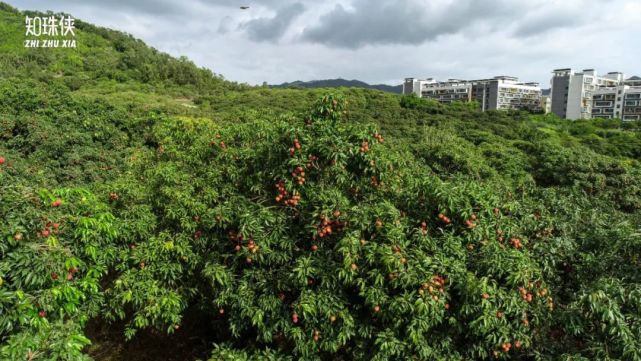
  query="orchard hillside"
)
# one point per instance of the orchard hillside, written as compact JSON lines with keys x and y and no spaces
{"x":152,"y":210}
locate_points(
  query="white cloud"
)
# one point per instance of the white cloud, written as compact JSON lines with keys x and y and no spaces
{"x":378,"y":41}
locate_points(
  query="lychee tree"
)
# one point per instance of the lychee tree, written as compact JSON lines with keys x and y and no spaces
{"x":55,"y":248}
{"x":312,"y":239}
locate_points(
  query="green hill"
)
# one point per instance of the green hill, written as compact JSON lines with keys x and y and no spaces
{"x":154,"y":210}
{"x":337,"y":83}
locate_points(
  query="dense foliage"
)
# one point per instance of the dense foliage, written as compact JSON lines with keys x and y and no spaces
{"x":137,"y":189}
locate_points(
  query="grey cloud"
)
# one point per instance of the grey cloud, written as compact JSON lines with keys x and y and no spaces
{"x":545,"y":22}
{"x":272,"y":29}
{"x":404,"y":21}
{"x":159,"y":8}
{"x":397,"y":38}
{"x":225,"y":25}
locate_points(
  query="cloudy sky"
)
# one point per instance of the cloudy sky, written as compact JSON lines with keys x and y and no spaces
{"x":378,"y":41}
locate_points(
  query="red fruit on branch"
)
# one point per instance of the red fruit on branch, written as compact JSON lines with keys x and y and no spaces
{"x":56,"y":203}
{"x":54,"y":276}
{"x":45,"y":233}
{"x":295,"y":317}
{"x":17,"y":236}
{"x":377,"y":308}
{"x":500,"y":314}
{"x":221,"y":311}
{"x":506,"y":347}
{"x":113,"y":196}
{"x":314,"y":248}
{"x":42,"y":313}
{"x":517,"y":344}
{"x":2,"y":160}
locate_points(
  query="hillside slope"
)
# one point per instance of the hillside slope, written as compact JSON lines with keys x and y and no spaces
{"x":154,"y":210}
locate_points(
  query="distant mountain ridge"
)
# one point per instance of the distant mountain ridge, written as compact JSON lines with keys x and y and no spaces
{"x":335,"y":83}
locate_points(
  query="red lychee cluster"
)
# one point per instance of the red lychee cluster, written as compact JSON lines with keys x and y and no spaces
{"x":296,"y":147}
{"x":283,"y":196}
{"x":525,"y":294}
{"x":379,"y":138}
{"x":434,"y":288}
{"x":516,"y":243}
{"x":327,"y":226}
{"x":299,"y":175}
{"x":45,"y":232}
{"x":424,"y":228}
{"x":364,"y":147}
{"x":470,"y":222}
{"x":444,"y":218}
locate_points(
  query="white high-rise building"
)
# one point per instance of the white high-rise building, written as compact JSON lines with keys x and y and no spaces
{"x":621,"y":101}
{"x":500,"y":92}
{"x":573,"y":92}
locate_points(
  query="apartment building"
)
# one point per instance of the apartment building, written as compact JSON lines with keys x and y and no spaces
{"x":622,"y":101}
{"x":573,"y":92}
{"x":633,"y":81}
{"x":500,"y":92}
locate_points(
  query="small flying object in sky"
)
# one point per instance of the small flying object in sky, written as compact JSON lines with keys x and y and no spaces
{"x":244,"y":7}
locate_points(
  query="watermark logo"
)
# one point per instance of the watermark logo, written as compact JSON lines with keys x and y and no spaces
{"x":45,"y":32}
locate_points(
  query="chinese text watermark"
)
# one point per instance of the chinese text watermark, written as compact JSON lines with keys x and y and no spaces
{"x":45,"y":32}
